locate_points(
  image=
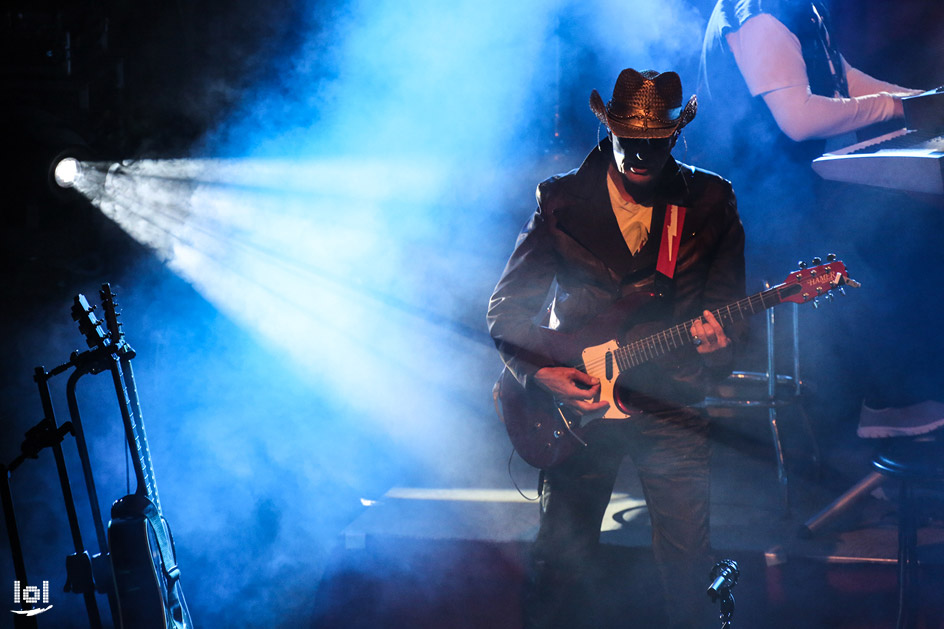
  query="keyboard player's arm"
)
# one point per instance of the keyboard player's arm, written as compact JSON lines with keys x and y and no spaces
{"x":805,"y":116}
{"x":862,"y":84}
{"x":770,"y":59}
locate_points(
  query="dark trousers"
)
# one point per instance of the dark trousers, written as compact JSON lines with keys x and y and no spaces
{"x":671,"y":453}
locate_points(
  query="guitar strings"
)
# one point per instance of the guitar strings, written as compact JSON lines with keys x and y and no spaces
{"x":642,"y":350}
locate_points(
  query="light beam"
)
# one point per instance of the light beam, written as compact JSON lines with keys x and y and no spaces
{"x":339,"y":276}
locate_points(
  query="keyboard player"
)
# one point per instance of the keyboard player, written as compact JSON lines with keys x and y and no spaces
{"x":788,"y":58}
{"x":775,"y":69}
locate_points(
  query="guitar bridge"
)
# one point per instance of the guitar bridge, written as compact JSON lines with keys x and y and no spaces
{"x":569,"y":427}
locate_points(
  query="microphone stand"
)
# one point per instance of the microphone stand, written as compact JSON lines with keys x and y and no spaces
{"x":727,"y":608}
{"x":724,"y":577}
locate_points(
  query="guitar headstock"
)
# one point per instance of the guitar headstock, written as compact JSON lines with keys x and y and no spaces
{"x":110,"y":307}
{"x":89,"y":324}
{"x":807,"y":283}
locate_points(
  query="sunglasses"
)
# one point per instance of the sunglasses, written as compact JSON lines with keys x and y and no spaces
{"x":638,"y":143}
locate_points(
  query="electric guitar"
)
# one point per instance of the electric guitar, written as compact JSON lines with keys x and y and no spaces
{"x":141,"y":546}
{"x":546,"y":433}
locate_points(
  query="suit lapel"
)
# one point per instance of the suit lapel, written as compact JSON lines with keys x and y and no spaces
{"x":587,"y":217}
{"x":591,"y":223}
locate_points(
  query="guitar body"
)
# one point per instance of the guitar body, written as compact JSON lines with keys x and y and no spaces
{"x":539,"y":429}
{"x":544,"y":433}
{"x":147,"y":597}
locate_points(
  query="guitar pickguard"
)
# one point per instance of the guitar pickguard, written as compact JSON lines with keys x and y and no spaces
{"x":600,"y":362}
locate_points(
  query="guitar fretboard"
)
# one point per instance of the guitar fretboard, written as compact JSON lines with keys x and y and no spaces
{"x":128,"y":397}
{"x":143,"y":468}
{"x":645,"y":349}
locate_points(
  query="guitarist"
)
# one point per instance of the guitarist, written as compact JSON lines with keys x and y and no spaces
{"x":629,"y":222}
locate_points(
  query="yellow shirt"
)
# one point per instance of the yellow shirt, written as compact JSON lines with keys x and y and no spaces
{"x":634,"y":219}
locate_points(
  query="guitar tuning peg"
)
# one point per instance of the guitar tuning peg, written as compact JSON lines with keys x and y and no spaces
{"x":829,"y":297}
{"x":801,"y":264}
{"x":831,"y":257}
{"x":816,"y":303}
{"x":842,"y":290}
{"x":817,"y":260}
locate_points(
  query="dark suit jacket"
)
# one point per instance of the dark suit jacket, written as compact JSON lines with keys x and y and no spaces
{"x":570,"y":264}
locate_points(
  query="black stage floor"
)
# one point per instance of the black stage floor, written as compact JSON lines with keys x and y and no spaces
{"x":455,"y":556}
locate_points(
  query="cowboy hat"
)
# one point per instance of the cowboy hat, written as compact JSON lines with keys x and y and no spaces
{"x":644,"y":105}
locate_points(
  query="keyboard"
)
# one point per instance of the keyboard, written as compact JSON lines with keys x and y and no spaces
{"x":911,"y":158}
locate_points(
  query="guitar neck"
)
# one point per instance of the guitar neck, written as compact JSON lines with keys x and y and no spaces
{"x":113,"y":345}
{"x":128,"y":398}
{"x":134,"y":429}
{"x":143,"y":452}
{"x":661,"y":343}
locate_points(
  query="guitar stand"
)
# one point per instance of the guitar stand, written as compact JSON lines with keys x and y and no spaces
{"x":85,"y":574}
{"x":88,"y":574}
{"x":16,"y":548}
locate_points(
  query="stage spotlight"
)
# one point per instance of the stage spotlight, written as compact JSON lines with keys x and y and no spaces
{"x":64,"y":168}
{"x":65,"y":172}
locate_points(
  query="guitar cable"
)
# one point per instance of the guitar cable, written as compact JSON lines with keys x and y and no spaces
{"x":495,"y":399}
{"x":515,"y":483}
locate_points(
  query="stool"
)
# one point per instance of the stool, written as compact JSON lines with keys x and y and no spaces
{"x":747,"y":392}
{"x":911,"y":461}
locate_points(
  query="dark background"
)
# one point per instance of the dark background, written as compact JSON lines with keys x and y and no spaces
{"x":150,"y":79}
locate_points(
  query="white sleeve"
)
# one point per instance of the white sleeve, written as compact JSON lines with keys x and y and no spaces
{"x":768,"y":55}
{"x":770,"y":59}
{"x":805,"y":116}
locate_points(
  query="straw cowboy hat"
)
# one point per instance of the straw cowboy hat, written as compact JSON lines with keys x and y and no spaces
{"x":644,"y":105}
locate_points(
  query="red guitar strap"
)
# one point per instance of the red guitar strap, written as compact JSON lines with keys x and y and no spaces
{"x":671,"y":235}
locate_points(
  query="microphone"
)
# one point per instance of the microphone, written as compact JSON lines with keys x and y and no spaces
{"x":724,"y":576}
